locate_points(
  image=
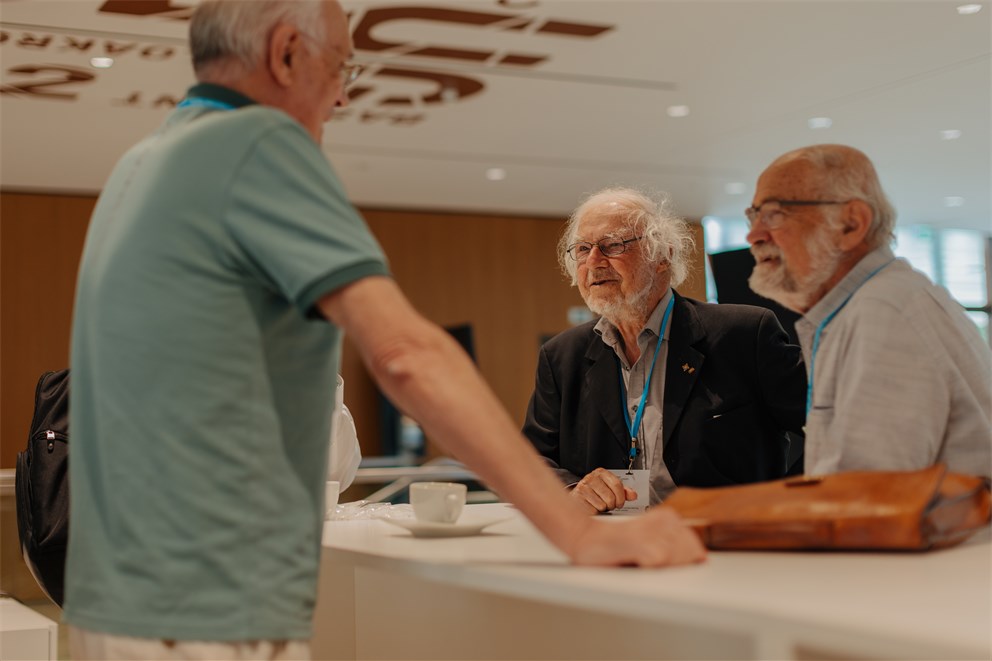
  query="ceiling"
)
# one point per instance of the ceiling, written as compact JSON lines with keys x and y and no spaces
{"x":564,"y":96}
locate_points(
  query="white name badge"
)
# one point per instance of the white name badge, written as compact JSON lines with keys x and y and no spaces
{"x":638,"y":481}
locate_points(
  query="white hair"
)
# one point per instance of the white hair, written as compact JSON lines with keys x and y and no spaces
{"x":238,"y":30}
{"x":847,"y":174}
{"x":666,"y":237}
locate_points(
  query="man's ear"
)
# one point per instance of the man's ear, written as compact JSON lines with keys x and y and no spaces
{"x":855,"y":224}
{"x":285,"y":47}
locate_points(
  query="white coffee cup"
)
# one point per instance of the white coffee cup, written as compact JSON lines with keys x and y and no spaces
{"x":331,"y":492}
{"x":437,"y":502}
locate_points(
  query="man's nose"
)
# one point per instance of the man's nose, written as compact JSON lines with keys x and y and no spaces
{"x":596,"y":255}
{"x":757,"y":234}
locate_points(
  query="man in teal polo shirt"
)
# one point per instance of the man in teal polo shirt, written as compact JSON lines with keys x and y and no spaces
{"x":203,"y":363}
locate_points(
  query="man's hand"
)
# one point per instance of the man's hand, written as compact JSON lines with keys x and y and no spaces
{"x":653,"y":539}
{"x":603,"y":491}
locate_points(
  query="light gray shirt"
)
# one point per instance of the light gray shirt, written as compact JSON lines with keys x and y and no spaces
{"x":902,"y":379}
{"x":635,"y":377}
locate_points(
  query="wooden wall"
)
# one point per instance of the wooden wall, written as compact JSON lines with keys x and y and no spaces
{"x":498,"y":274}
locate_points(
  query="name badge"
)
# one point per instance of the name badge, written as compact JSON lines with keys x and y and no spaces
{"x":638,"y":481}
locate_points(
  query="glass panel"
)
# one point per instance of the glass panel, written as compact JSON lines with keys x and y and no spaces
{"x":962,"y":257}
{"x":981,"y":320}
{"x":916,"y":245}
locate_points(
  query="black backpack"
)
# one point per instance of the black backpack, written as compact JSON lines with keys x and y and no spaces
{"x":42,"y":485}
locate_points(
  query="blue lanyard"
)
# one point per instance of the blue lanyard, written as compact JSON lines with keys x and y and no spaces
{"x":191,"y":101}
{"x":823,"y":324}
{"x":632,"y":428}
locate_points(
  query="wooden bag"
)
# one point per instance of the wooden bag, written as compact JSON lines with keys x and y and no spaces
{"x":866,"y":510}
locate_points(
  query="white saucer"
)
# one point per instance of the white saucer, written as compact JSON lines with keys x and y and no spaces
{"x":428,"y":529}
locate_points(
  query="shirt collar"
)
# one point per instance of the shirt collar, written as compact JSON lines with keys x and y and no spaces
{"x":611,"y":335}
{"x":220,"y":94}
{"x":848,"y":284}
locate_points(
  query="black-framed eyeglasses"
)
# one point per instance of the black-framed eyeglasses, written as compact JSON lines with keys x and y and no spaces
{"x":771,"y":214}
{"x":610,"y":247}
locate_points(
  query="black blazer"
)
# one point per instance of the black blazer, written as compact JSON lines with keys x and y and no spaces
{"x":724,"y":422}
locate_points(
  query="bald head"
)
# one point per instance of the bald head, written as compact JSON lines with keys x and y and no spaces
{"x":834,"y":172}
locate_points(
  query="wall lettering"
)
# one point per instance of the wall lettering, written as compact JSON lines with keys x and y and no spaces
{"x":377,"y":92}
{"x":69,"y":43}
{"x":56,"y":76}
{"x":137,"y":100}
{"x":444,"y":87}
{"x":31,"y":41}
{"x":161,"y":8}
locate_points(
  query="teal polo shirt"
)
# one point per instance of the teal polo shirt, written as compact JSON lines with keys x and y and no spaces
{"x":202,"y":379}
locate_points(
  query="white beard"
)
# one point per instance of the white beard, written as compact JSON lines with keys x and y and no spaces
{"x":780,"y":285}
{"x":620,"y":309}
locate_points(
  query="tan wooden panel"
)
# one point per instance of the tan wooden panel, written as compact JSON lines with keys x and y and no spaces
{"x":41,"y":239}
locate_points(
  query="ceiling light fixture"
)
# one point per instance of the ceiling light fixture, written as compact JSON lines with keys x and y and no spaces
{"x":735,"y":188}
{"x":678,"y":111}
{"x":964,"y":10}
{"x":495,"y":174}
{"x":102,"y":62}
{"x":953,"y":201}
{"x":950,"y":134}
{"x":816,"y":123}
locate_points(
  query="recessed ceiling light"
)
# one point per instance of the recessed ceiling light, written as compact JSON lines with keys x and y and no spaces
{"x":969,"y":9}
{"x":495,"y":174}
{"x":102,"y":62}
{"x":735,"y":188}
{"x":678,"y":111}
{"x":820,"y":123}
{"x":950,"y":134}
{"x":954,"y":201}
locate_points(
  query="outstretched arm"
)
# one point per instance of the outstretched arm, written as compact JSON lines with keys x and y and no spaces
{"x":427,"y":374}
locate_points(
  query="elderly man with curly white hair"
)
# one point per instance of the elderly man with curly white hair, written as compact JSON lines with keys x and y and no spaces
{"x":661,"y":391}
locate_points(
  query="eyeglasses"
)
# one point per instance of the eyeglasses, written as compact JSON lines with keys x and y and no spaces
{"x":580,"y":250}
{"x":349,"y":71}
{"x":771,"y":214}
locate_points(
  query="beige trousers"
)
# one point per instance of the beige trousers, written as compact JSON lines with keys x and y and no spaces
{"x":92,"y":646}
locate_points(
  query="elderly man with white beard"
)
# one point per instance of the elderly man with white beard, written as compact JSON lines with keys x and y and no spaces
{"x":900,"y":378}
{"x":661,"y":391}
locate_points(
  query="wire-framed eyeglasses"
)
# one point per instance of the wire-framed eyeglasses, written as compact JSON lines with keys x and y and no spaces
{"x":349,"y":71}
{"x":610,"y":247}
{"x":771,"y":214}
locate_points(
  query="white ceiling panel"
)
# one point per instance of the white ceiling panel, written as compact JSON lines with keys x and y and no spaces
{"x":566,"y":96}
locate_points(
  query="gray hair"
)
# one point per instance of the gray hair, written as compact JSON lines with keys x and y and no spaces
{"x":848,"y":174}
{"x":666,"y":237}
{"x":239,"y":30}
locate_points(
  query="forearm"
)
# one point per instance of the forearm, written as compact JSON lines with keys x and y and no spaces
{"x":422,"y":370}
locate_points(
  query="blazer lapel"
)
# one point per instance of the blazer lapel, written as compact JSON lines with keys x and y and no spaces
{"x":602,"y":389}
{"x":683,"y":365}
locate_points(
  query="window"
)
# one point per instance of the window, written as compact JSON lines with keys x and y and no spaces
{"x":953,"y":258}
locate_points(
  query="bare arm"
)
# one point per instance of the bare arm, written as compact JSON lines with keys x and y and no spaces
{"x":428,"y":375}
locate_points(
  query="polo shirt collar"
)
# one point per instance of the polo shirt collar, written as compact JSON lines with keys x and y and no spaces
{"x":220,"y":94}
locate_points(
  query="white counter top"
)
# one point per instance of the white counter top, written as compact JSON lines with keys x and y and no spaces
{"x":888,"y":605}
